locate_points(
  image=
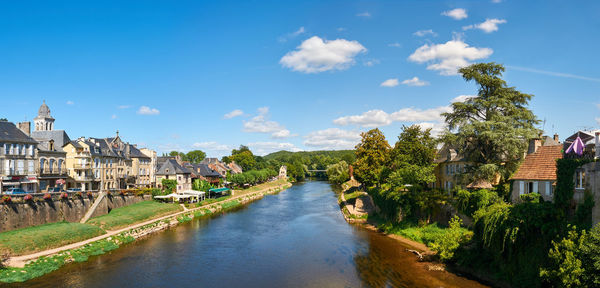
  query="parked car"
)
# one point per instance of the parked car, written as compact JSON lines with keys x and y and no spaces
{"x":15,"y":191}
{"x":74,"y":190}
{"x":55,"y":190}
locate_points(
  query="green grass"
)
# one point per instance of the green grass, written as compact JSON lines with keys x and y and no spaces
{"x":44,"y":265}
{"x":208,"y":201}
{"x":351,"y":197}
{"x":38,"y":238}
{"x":426,"y":234}
{"x":262,"y":186}
{"x":230,"y":204}
{"x":128,"y":215}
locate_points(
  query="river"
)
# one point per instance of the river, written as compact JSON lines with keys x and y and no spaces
{"x":297,"y":238}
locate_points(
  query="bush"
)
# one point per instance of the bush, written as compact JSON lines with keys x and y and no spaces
{"x":169,"y":185}
{"x":47,"y":196}
{"x":451,"y":240}
{"x":28,"y":197}
{"x":469,"y":202}
{"x":6,"y":199}
{"x":64,"y":196}
{"x":532,"y":198}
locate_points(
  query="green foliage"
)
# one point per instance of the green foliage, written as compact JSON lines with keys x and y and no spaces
{"x":195,"y":156}
{"x":412,"y":157}
{"x":372,"y":156}
{"x":490,"y":128}
{"x":565,"y":187}
{"x":565,"y":268}
{"x":532,"y":198}
{"x":169,"y":185}
{"x":201,"y":185}
{"x":583,"y":214}
{"x":451,"y":240}
{"x":338,"y":173}
{"x":230,"y":204}
{"x":251,"y":177}
{"x":469,"y":202}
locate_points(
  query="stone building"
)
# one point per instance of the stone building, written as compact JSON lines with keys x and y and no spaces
{"x":449,"y":169}
{"x":171,"y":169}
{"x":18,"y":154}
{"x":153,"y":164}
{"x":51,"y":169}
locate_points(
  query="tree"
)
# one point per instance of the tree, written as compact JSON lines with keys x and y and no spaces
{"x":492,"y":128}
{"x":177,"y":153}
{"x":169,"y":185}
{"x":338,"y":173}
{"x":372,"y":155}
{"x":245,"y":159}
{"x":195,"y":156}
{"x":412,"y":157}
{"x":3,"y":119}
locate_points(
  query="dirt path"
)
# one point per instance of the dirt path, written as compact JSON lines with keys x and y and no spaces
{"x":20,"y":261}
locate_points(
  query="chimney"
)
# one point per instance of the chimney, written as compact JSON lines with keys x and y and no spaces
{"x":534,"y":144}
{"x":597,"y":145}
{"x":25,"y":127}
{"x":556,"y":138}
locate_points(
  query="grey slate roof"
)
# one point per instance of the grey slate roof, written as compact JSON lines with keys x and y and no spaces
{"x":60,"y":137}
{"x":134,"y":152}
{"x":205,"y":171}
{"x":10,"y":133}
{"x":171,"y":167}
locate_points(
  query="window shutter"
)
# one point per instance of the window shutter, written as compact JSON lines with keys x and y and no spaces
{"x":521,"y":187}
{"x":535,"y":187}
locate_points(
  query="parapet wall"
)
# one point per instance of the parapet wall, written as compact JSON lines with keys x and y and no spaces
{"x":20,"y":215}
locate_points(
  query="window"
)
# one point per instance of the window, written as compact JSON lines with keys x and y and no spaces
{"x":580,"y":179}
{"x":30,"y":166}
{"x":548,"y":188}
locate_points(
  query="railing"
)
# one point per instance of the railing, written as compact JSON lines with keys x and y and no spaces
{"x":84,"y":178}
{"x":82,"y":154}
{"x":82,"y":166}
{"x":55,"y":171}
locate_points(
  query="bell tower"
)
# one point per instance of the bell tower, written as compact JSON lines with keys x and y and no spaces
{"x":44,"y":121}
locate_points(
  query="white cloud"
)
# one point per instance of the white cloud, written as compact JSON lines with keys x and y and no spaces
{"x":145,"y":110}
{"x":415,"y":81}
{"x":598,"y":121}
{"x":288,"y":36}
{"x":423,"y":33}
{"x":374,"y":118}
{"x":372,"y":62}
{"x":341,"y":29}
{"x":332,"y":139}
{"x":364,"y":14}
{"x":496,"y":1}
{"x":261,"y":124}
{"x":123,"y":106}
{"x":448,"y":57}
{"x":264,"y":148}
{"x":114,"y":116}
{"x":436,"y":127}
{"x":462,"y":98}
{"x":212,"y":146}
{"x":395,"y":44}
{"x":70,"y":102}
{"x":316,"y":55}
{"x":390,"y":83}
{"x":488,"y":26}
{"x":456,"y":14}
{"x":234,"y":113}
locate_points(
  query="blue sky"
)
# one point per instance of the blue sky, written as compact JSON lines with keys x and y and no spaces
{"x":310,"y":75}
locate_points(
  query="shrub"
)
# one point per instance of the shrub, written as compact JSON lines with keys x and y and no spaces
{"x":6,"y":199}
{"x":64,"y":195}
{"x":122,"y":192}
{"x":28,"y":197}
{"x":90,"y":194}
{"x":451,"y":240}
{"x":47,"y":196}
{"x":532,"y":198}
{"x":80,"y":194}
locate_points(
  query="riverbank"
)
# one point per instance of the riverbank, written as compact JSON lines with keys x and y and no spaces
{"x":23,"y":268}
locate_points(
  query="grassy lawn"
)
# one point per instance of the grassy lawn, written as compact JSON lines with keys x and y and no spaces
{"x":351,"y":197}
{"x":139,"y":212}
{"x":38,"y":238}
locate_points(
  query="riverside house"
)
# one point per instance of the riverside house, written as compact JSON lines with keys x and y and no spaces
{"x":18,"y":154}
{"x":170,"y":169}
{"x":450,"y":166}
{"x":537,"y":173}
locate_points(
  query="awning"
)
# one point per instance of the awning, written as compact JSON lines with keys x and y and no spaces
{"x":10,"y":183}
{"x":218,"y":190}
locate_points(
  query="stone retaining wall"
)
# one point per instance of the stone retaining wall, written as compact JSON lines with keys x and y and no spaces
{"x":20,"y":215}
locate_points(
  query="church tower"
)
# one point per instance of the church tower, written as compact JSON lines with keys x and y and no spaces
{"x":44,"y":122}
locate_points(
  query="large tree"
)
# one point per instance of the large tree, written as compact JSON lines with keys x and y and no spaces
{"x":412,"y":157}
{"x":372,"y":156}
{"x":243,"y":157}
{"x":492,"y":129}
{"x":195,"y":156}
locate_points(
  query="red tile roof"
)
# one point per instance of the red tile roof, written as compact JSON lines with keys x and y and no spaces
{"x":540,"y":165}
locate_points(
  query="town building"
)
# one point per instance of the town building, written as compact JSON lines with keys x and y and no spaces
{"x":171,"y":169}
{"x":205,"y":173}
{"x":51,"y":171}
{"x":18,"y":154}
{"x":537,"y":173}
{"x":79,"y":165}
{"x":449,"y":169}
{"x":153,"y":164}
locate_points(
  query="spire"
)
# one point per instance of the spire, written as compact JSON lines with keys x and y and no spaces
{"x":44,"y":111}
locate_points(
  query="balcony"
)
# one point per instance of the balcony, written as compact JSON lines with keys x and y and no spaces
{"x":82,"y":166}
{"x":15,"y":172}
{"x":83,"y":178}
{"x":54,"y":171}
{"x":84,"y":154}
